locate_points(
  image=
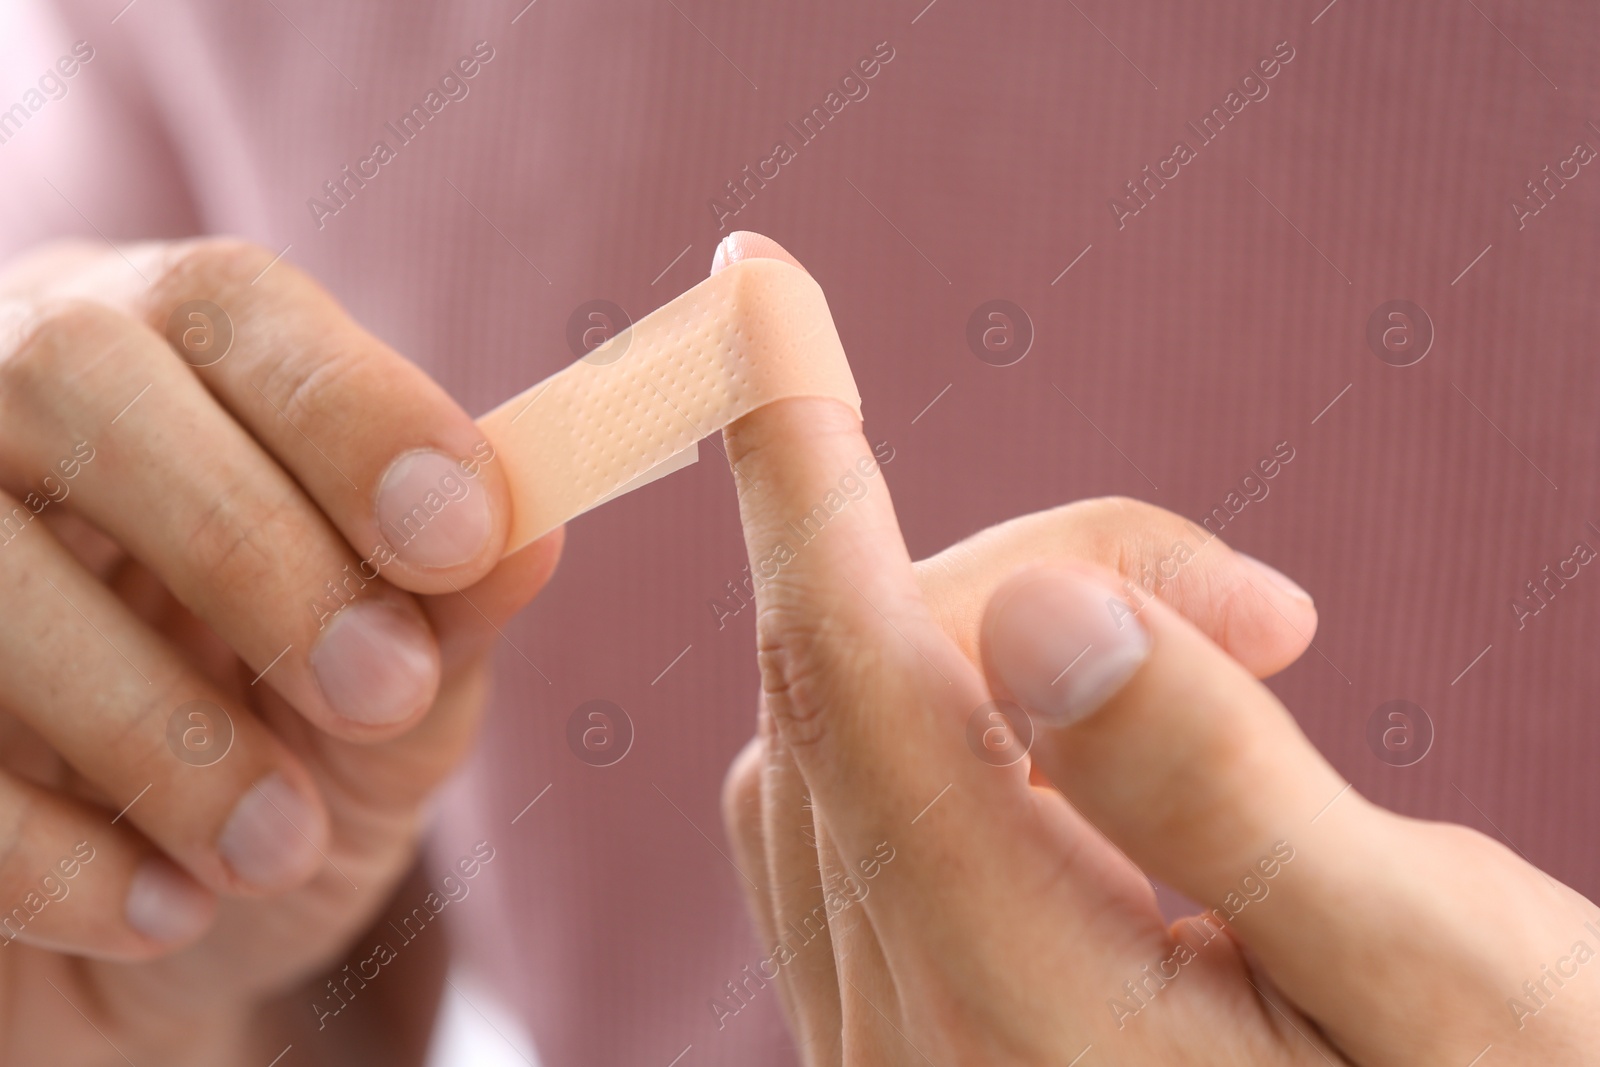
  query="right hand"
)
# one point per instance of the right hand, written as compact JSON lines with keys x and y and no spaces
{"x":920,"y":902}
{"x":920,"y":906}
{"x":177,"y":528}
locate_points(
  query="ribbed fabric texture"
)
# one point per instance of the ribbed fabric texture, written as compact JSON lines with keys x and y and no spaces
{"x":1192,"y":338}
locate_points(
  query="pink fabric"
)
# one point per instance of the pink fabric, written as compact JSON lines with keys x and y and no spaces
{"x":1192,"y":337}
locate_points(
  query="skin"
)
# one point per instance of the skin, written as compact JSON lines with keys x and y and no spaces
{"x":177,"y":558}
{"x":983,"y":914}
{"x":185,"y":556}
{"x":182,"y":560}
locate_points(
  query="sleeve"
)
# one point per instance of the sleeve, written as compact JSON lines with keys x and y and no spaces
{"x":83,"y":151}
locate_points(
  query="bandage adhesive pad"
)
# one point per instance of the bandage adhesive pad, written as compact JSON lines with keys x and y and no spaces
{"x":636,"y":407}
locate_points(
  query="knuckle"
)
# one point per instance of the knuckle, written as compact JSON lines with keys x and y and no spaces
{"x":825,"y":656}
{"x":741,"y":794}
{"x":317,"y":352}
{"x":801,"y":672}
{"x":133,"y":731}
{"x":316,"y":386}
{"x":1120,"y":533}
{"x":232,"y":547}
{"x":41,"y":263}
{"x":1227,"y":608}
{"x":1119,"y":504}
{"x":1122,"y":510}
{"x":1144,"y":527}
{"x":1125,"y":513}
{"x":211,"y":265}
{"x":54,"y":341}
{"x":134,"y":738}
{"x":793,"y":714}
{"x":1152,"y":548}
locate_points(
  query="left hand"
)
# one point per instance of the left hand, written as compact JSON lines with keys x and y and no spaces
{"x":266,"y":503}
{"x":937,"y":909}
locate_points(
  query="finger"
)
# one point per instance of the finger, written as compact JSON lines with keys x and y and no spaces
{"x":742,"y":818}
{"x":869,"y":1002}
{"x":395,"y":774}
{"x":212,"y":787}
{"x":74,"y":882}
{"x":1195,"y":770}
{"x":825,"y":1022}
{"x":394,"y":462}
{"x":843,"y":596}
{"x":1258,"y":616}
{"x":149,"y":457}
{"x":744,"y":815}
{"x":1223,"y":770}
{"x":875,"y":702}
{"x":802,"y":949}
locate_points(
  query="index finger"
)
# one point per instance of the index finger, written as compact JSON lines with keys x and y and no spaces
{"x":883,"y":712}
{"x":866,"y":690}
{"x":388,"y":456}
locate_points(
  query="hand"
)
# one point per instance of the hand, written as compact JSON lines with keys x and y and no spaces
{"x":296,"y":528}
{"x":924,"y":906}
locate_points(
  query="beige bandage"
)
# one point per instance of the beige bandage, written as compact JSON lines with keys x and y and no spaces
{"x":636,"y":407}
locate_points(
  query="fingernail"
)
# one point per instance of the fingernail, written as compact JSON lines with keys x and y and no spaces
{"x":164,"y":904}
{"x":1276,"y":577}
{"x":719,"y":258}
{"x":377,"y":664}
{"x":1063,"y":643}
{"x":432,"y":512}
{"x":269,"y":838}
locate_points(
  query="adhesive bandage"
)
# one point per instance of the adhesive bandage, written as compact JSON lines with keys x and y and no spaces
{"x":637,"y":406}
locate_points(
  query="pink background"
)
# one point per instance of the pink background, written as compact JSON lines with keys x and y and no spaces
{"x":1196,"y":338}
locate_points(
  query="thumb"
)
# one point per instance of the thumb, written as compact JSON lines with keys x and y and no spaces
{"x":1189,"y":765}
{"x":1190,"y":760}
{"x":1394,"y":935}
